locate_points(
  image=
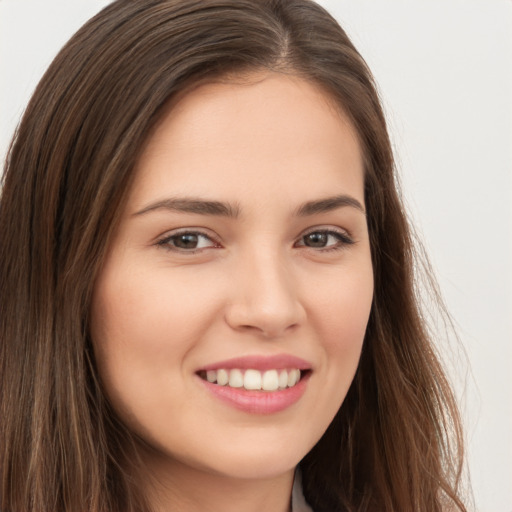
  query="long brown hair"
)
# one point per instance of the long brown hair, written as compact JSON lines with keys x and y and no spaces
{"x":395,"y":445}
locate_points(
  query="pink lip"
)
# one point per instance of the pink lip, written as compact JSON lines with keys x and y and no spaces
{"x":261,"y":363}
{"x":258,"y":402}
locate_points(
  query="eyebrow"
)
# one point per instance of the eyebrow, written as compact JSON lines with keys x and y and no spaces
{"x":218,"y":208}
{"x":193,"y":205}
{"x":328,"y":204}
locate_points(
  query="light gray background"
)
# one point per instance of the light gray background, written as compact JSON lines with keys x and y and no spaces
{"x":445,"y":74}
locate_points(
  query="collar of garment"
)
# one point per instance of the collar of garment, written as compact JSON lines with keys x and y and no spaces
{"x":298,"y":501}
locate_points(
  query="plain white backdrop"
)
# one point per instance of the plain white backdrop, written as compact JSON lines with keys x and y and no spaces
{"x":444,"y":70}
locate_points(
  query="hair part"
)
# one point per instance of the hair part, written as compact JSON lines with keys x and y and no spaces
{"x":396,"y":440}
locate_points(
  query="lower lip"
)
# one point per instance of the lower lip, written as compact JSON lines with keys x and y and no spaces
{"x":259,"y":402}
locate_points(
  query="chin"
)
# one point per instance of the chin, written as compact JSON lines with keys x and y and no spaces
{"x":260,"y":459}
{"x":255,"y":467}
{"x":254,"y":457}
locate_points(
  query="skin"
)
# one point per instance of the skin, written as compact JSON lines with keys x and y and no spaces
{"x":254,"y":286}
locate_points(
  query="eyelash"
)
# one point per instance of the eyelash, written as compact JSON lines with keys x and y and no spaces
{"x":343,"y":240}
{"x":166,"y":241}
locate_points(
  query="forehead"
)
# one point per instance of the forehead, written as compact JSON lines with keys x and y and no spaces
{"x":230,"y":135}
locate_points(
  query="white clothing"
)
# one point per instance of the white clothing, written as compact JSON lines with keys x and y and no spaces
{"x":298,"y":501}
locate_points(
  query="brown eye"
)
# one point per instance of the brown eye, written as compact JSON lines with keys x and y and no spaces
{"x":187,"y":241}
{"x":316,"y":239}
{"x":325,"y":239}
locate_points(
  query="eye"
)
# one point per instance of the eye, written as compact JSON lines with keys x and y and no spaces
{"x":324,"y":239}
{"x":187,"y":241}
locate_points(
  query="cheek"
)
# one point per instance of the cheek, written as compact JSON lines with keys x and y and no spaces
{"x":342,"y":309}
{"x":346,"y":319}
{"x":145,"y":322}
{"x":148,"y":312}
{"x":142,"y":325}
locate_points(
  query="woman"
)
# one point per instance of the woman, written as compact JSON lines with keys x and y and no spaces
{"x":207,"y":277}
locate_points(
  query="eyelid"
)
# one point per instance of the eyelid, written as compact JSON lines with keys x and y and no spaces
{"x":344,"y":237}
{"x":163,"y":241}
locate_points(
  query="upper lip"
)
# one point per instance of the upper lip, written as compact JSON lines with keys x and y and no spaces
{"x":260,"y":362}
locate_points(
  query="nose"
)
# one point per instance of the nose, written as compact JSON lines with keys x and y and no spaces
{"x":265,"y":298}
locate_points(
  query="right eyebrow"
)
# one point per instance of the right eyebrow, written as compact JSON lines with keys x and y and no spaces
{"x":193,"y":205}
{"x":328,"y":204}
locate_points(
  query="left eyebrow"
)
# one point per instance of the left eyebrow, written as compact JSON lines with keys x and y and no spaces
{"x":193,"y":205}
{"x":328,"y":204}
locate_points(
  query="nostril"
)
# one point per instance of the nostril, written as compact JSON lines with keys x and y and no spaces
{"x":273,"y":324}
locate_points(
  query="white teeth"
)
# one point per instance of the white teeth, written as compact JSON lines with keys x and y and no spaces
{"x":269,"y":380}
{"x":283,"y":379}
{"x":236,"y":379}
{"x":293,"y":377}
{"x":252,"y":379}
{"x":222,"y":377}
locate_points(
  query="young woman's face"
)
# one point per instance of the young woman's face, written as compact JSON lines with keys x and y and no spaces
{"x":242,"y":256}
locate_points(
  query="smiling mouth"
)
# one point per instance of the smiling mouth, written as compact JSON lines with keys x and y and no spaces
{"x":254,"y":380}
